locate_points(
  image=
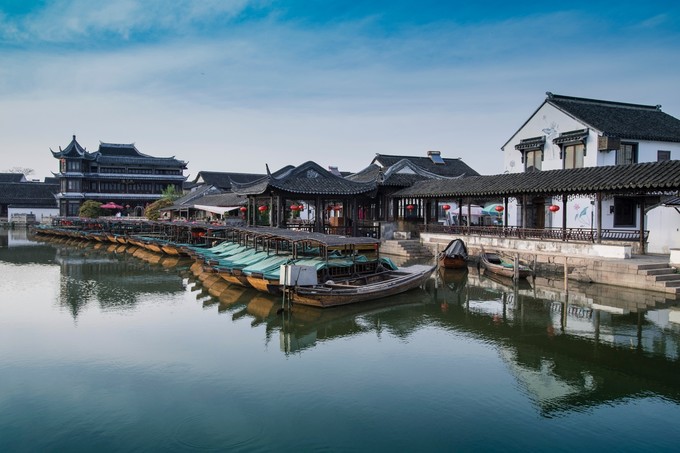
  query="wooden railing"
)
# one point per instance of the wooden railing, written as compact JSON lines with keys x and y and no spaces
{"x":553,"y":234}
{"x":362,"y":230}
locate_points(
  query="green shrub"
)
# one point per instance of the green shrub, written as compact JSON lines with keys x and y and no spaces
{"x":90,"y":209}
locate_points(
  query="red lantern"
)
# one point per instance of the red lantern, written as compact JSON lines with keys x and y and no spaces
{"x":301,"y":208}
{"x":294,"y":207}
{"x":410,"y":207}
{"x":262,"y":208}
{"x":499,"y":208}
{"x":446,"y":207}
{"x":554,"y":208}
{"x":243,"y":209}
{"x":329,"y":208}
{"x":337,"y":208}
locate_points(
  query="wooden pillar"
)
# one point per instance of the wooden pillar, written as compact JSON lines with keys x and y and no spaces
{"x":642,"y":227}
{"x":460,"y":212}
{"x":564,"y":217}
{"x":505,"y":212}
{"x":355,"y":217}
{"x":469,"y":217}
{"x":524,"y":211}
{"x":599,"y":217}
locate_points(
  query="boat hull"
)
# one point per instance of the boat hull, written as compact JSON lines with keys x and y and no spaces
{"x":375,"y":287}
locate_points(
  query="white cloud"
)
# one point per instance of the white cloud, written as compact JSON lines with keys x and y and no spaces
{"x":276,"y":93}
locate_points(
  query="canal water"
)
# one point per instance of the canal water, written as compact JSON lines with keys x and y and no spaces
{"x":103,"y":349}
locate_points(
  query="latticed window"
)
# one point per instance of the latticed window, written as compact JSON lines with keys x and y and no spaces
{"x":533,"y":159}
{"x":627,"y":154}
{"x":573,"y":155}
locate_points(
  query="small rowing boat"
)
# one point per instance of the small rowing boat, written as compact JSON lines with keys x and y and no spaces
{"x":493,"y":262}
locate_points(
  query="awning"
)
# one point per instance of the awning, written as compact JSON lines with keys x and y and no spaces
{"x":215,"y":209}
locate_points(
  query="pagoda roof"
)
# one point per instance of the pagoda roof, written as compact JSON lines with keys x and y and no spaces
{"x":116,"y":154}
{"x":308,"y":179}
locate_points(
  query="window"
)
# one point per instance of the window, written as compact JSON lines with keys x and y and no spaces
{"x":573,"y":155}
{"x":532,"y":160}
{"x":627,"y":154}
{"x":73,"y":165}
{"x":624,"y":212}
{"x":662,"y":156}
{"x":73,"y":185}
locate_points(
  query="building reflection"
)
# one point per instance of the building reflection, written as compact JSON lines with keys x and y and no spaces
{"x":593,"y":345}
{"x":109,"y":277}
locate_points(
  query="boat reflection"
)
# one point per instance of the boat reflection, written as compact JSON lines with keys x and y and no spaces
{"x":590,"y":346}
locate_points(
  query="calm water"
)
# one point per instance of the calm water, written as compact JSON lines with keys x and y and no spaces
{"x":101,"y":351}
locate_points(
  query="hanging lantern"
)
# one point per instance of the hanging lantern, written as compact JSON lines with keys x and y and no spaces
{"x":410,"y":207}
{"x":301,"y":208}
{"x":329,"y":207}
{"x":243,"y":209}
{"x":499,"y":208}
{"x":294,"y":207}
{"x":446,"y":207}
{"x":262,"y":208}
{"x":337,"y":208}
{"x":553,"y":208}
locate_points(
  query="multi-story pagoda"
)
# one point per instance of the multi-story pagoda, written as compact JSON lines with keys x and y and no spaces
{"x":116,"y":173}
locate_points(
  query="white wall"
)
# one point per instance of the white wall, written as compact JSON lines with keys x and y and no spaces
{"x":663,"y":224}
{"x":40,"y":213}
{"x":550,"y":122}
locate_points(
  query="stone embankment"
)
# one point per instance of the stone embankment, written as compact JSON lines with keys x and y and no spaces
{"x":645,"y":272}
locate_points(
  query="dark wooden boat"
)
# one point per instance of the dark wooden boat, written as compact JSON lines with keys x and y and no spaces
{"x":493,"y":262}
{"x":454,"y":256}
{"x":360,"y":289}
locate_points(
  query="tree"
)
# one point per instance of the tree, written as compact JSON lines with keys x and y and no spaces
{"x":170,"y":193}
{"x":23,"y":170}
{"x":90,"y":209}
{"x":152,"y":212}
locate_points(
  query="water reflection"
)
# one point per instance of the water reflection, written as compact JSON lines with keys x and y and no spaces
{"x":112,"y":277}
{"x":591,"y":346}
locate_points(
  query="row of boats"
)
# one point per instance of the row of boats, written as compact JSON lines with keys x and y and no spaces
{"x":455,"y":256}
{"x":307,"y":268}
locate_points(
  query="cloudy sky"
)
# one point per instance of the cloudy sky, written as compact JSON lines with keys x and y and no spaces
{"x":232,"y":85}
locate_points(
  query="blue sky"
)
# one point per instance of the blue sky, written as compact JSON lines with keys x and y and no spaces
{"x":232,"y":85}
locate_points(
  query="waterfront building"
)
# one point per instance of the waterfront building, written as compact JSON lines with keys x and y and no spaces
{"x":28,"y":200}
{"x":116,"y":173}
{"x":391,"y":173}
{"x":569,"y":132}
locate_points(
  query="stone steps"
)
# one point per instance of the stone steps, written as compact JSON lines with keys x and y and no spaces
{"x":411,"y":248}
{"x":659,"y":276}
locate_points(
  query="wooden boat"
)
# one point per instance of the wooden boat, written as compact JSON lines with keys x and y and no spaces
{"x":493,"y":262}
{"x":454,"y":256}
{"x":360,"y":289}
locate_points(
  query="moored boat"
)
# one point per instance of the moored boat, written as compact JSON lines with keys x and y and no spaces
{"x":493,"y":262}
{"x":454,"y":256}
{"x":367,"y":287}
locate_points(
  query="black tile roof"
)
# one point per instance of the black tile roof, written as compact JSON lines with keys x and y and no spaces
{"x":633,"y":178}
{"x":11,"y":177}
{"x":306,"y":179}
{"x":223,"y":180}
{"x":403,"y":173}
{"x":450,"y":168}
{"x":618,"y":119}
{"x":117,"y":154}
{"x":36,"y":194}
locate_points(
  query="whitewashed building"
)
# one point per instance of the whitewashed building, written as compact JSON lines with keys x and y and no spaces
{"x":569,"y":132}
